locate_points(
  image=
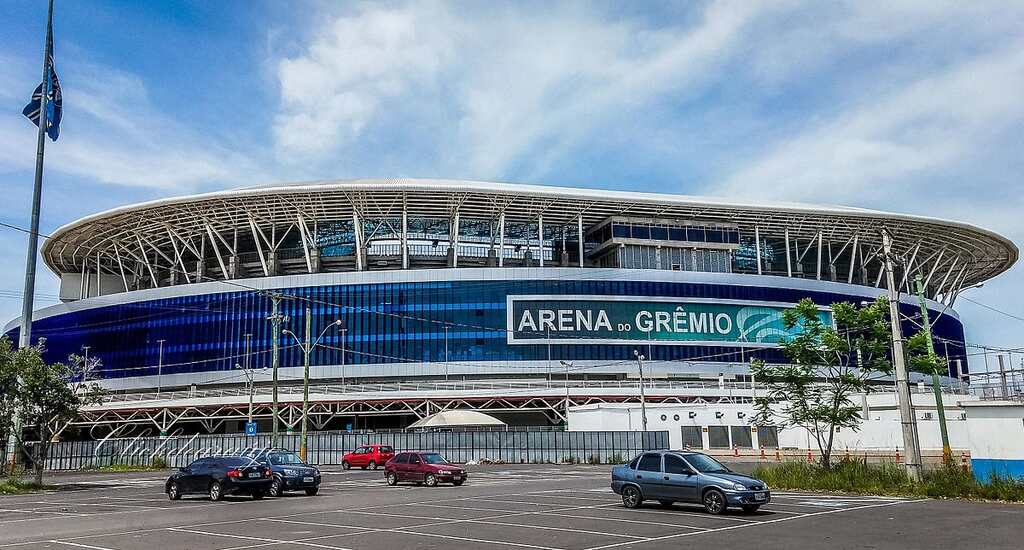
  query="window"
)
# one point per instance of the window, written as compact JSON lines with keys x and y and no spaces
{"x":768,"y":437}
{"x":704,"y":463}
{"x":632,"y":465}
{"x":650,"y":463}
{"x":620,"y":231}
{"x":386,"y":449}
{"x":402,"y":458}
{"x":718,"y":437}
{"x":664,"y":417}
{"x":741,"y":437}
{"x":691,"y":437}
{"x":675,"y":465}
{"x":659,"y":233}
{"x":641,"y":232}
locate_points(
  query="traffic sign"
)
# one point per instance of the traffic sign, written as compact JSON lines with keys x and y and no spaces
{"x":250,"y":428}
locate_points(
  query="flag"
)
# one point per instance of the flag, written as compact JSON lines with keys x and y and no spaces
{"x":54,"y":104}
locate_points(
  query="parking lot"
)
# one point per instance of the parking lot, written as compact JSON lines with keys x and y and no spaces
{"x":534,"y":507}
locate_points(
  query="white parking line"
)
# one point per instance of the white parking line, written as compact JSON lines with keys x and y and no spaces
{"x":260,"y":539}
{"x":77,"y":545}
{"x":734,"y":527}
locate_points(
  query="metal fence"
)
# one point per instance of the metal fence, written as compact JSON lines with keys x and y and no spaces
{"x":327,"y":448}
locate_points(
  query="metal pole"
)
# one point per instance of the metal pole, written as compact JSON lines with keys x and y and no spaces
{"x":248,"y":372}
{"x":643,"y":402}
{"x":305,"y":382}
{"x":947,"y":452}
{"x":567,"y":365}
{"x":912,"y":460}
{"x":28,"y":293}
{"x":275,"y":318}
{"x":160,"y":368}
{"x":446,"y":353}
{"x":343,"y":331}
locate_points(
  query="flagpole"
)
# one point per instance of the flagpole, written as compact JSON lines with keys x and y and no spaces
{"x":25,"y":335}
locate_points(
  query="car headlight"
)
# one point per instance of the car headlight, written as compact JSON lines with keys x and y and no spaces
{"x":290,"y":472}
{"x":735,"y":486}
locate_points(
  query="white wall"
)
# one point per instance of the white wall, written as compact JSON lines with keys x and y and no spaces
{"x":881,"y":430}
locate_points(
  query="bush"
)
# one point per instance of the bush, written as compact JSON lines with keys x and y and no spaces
{"x":593,"y":459}
{"x":617,"y":458}
{"x":856,"y":476}
{"x":15,"y":486}
{"x":159,"y":462}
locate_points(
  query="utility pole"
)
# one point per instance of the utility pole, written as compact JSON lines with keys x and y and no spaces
{"x":912,"y":460}
{"x":160,"y":368}
{"x":446,"y":353}
{"x":643,"y":401}
{"x":275,"y":319}
{"x":947,"y":452}
{"x":568,"y":365}
{"x":305,"y":384}
{"x":344,"y":331}
{"x":307,"y":348}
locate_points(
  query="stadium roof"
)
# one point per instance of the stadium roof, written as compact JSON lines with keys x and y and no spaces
{"x":151,"y":230}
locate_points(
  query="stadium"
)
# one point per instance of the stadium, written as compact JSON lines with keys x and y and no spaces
{"x":429,"y":295}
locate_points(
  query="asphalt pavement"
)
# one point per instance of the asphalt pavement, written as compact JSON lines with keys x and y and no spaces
{"x":541,"y":507}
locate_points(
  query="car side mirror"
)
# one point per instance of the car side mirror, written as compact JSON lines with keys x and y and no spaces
{"x":184,"y":470}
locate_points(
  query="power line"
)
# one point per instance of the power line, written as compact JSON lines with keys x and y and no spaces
{"x":986,"y":306}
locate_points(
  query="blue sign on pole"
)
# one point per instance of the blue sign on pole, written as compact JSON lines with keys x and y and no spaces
{"x":250,"y":428}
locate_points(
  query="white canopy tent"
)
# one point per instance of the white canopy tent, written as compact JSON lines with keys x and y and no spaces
{"x":456,"y":418}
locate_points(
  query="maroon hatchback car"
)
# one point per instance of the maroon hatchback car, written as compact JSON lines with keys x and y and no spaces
{"x":426,"y":468}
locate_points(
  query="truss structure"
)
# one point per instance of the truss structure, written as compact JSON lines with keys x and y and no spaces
{"x":405,"y":224}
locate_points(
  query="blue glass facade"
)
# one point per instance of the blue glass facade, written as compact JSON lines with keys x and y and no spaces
{"x":388,"y":323}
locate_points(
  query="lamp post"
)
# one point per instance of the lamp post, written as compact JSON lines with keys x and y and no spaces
{"x":307,"y":348}
{"x":275,"y":319}
{"x":568,"y":365}
{"x":446,"y":353}
{"x":160,"y":368}
{"x":643,"y":402}
{"x":248,"y":384}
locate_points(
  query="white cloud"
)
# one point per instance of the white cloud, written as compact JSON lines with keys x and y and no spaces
{"x":115,"y":135}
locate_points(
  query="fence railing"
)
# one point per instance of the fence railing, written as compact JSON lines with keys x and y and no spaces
{"x":327,"y":448}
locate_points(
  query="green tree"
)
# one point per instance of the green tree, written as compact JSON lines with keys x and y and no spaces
{"x":828,"y":365}
{"x":47,"y":396}
{"x":8,"y":391}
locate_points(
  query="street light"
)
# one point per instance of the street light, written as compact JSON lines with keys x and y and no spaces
{"x":160,"y":368}
{"x":643,"y":402}
{"x":307,"y":348}
{"x":568,"y":365}
{"x":249,"y":379}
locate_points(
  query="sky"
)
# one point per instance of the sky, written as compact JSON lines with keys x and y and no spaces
{"x":912,"y":107}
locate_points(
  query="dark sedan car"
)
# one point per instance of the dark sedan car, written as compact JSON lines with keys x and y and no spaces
{"x":686,"y":476}
{"x":290,"y":472}
{"x":218,"y":476}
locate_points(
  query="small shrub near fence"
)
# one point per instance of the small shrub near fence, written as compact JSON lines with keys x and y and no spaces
{"x":857,"y":476}
{"x":327,"y":448}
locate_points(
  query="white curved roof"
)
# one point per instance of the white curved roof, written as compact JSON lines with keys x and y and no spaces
{"x":140,"y":230}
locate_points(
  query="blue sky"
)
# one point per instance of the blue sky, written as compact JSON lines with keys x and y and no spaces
{"x":905,"y":106}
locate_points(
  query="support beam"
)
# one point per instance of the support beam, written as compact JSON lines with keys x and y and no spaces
{"x":405,"y":235}
{"x":540,"y":240}
{"x":501,"y":240}
{"x":945,"y":279}
{"x":935,"y":267}
{"x":357,"y":231}
{"x":120,"y":268}
{"x":853,"y":258}
{"x":256,"y":237}
{"x":579,"y":230}
{"x":145,"y":260}
{"x":757,"y":248}
{"x":818,"y":272}
{"x":453,"y":239}
{"x":789,"y":261}
{"x":216,"y":250}
{"x":304,"y":237}
{"x":177,"y":254}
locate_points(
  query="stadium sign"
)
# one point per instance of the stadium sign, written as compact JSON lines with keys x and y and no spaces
{"x":626,"y":320}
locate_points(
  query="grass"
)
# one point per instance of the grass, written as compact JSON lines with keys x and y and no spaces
{"x":125,"y":468}
{"x":15,"y":486}
{"x":855,"y":476}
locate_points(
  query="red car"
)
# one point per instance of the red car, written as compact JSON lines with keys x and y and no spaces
{"x":426,"y":468}
{"x":368,"y":456}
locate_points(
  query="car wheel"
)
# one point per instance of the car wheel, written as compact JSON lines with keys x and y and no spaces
{"x":345,"y":465}
{"x":666,"y":503}
{"x":173,"y":493}
{"x":750,"y":508}
{"x":631,"y":497}
{"x":257,"y":495}
{"x":714,"y":502}
{"x":430,"y":480}
{"x":216,"y":491}
{"x":391,"y":478}
{"x":373,"y":465}
{"x":276,"y":487}
{"x":312,"y":491}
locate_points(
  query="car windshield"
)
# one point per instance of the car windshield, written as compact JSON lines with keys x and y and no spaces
{"x":706,"y":464}
{"x":284,"y":459}
{"x":433,"y":458}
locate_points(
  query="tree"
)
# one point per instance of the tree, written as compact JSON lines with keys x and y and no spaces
{"x":46,"y":396}
{"x":829,"y":364}
{"x":8,"y":390}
